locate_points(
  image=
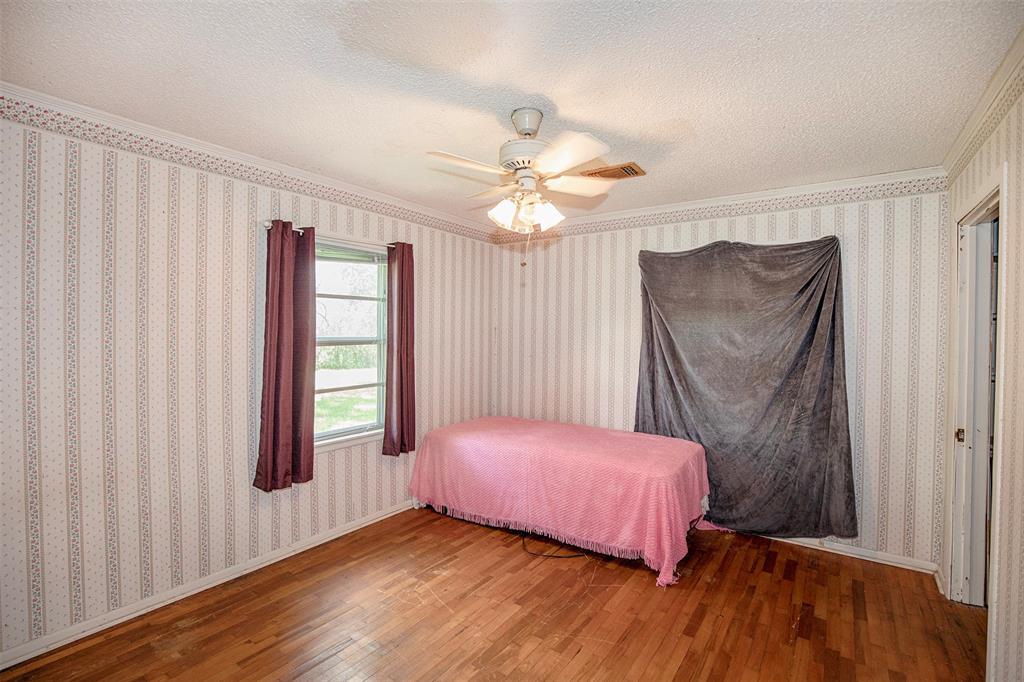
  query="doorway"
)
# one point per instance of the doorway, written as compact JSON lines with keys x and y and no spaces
{"x":974,"y":435}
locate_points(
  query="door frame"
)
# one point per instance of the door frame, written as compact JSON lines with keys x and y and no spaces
{"x":961,"y":497}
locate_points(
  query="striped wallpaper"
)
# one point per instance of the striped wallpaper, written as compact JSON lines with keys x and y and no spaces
{"x":131,"y":381}
{"x":129,"y":418}
{"x":999,"y":140}
{"x":570,"y":342}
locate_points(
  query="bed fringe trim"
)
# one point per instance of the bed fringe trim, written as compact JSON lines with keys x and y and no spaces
{"x":582,"y":543}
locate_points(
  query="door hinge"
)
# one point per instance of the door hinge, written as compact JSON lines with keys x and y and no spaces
{"x":960,"y":435}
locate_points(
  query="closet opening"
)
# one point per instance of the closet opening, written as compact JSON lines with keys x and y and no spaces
{"x":975,"y":421}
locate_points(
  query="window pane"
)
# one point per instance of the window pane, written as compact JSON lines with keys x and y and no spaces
{"x":354,"y":279}
{"x":345,"y":409}
{"x":341,"y":317}
{"x":338,"y":366}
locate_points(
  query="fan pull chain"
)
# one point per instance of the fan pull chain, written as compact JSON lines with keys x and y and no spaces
{"x":526,"y":249}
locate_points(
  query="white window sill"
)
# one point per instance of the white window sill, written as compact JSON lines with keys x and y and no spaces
{"x":347,"y":441}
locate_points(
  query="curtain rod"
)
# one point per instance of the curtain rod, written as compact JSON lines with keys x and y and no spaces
{"x":269,"y":224}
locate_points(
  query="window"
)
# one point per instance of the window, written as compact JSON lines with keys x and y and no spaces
{"x":350,"y":340}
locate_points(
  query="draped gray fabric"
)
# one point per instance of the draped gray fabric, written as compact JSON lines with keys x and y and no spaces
{"x":743,"y":353}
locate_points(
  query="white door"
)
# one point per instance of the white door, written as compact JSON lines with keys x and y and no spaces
{"x":974,"y":416}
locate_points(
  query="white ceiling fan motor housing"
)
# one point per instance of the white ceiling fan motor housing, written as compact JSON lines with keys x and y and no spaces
{"x":518,"y":154}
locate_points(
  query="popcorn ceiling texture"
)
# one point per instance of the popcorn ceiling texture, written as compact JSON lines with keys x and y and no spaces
{"x":718,"y":99}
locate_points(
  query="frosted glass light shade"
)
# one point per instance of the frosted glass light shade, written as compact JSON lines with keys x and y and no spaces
{"x":503,"y":213}
{"x":546,"y":215}
{"x":524,"y":210}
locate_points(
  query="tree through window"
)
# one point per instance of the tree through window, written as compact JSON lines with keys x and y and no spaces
{"x":351,"y":285}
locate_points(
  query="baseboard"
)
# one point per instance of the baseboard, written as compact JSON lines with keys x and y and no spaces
{"x":861,"y":553}
{"x":51,"y":641}
{"x":941,"y":581}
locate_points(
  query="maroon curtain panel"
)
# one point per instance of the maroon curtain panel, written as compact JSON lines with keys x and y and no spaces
{"x":286,"y":412}
{"x":400,"y":386}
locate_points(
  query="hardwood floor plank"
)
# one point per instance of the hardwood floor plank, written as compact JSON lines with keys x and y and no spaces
{"x":424,"y":596}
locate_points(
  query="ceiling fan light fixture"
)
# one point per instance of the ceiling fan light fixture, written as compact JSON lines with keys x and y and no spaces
{"x":523,"y":212}
{"x":527,"y":163}
{"x":504,"y":213}
{"x":522,"y":223}
{"x":527,"y":207}
{"x":547,"y":215}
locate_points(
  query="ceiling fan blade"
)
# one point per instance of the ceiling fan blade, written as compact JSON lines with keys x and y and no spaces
{"x":497,"y":189}
{"x":580,"y":185}
{"x":569,"y":150}
{"x":469,"y":163}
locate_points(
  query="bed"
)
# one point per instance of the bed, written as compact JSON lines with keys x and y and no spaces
{"x":629,"y":495}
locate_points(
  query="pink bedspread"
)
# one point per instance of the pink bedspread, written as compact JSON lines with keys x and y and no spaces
{"x":630,"y":495}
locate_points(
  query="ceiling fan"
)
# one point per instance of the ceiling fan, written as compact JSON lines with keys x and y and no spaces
{"x":526,"y":162}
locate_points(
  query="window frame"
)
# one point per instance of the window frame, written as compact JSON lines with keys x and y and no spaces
{"x":378,"y":255}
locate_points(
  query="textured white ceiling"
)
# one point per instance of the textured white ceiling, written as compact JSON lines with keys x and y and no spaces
{"x":711,"y":98}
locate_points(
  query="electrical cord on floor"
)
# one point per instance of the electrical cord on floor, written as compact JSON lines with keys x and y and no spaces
{"x":551,"y":555}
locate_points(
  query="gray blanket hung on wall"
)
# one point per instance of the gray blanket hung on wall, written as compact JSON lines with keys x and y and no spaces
{"x":743,"y":352}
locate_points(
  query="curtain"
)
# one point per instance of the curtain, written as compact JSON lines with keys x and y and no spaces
{"x":286,"y":412}
{"x":742,"y":352}
{"x":400,"y":385}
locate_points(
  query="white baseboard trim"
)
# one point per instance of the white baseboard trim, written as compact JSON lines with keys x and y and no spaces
{"x":941,"y":581}
{"x":860,"y":553}
{"x":35,"y":647}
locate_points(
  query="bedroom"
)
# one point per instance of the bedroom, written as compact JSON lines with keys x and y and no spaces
{"x":329,"y":326}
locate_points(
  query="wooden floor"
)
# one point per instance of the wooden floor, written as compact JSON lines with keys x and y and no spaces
{"x":422,"y":596}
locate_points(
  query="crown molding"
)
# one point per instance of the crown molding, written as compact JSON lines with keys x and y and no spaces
{"x":869,"y":188}
{"x":39,"y":110}
{"x":1003,"y":91}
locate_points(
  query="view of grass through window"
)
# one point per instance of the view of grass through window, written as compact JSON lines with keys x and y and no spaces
{"x":349,"y":325}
